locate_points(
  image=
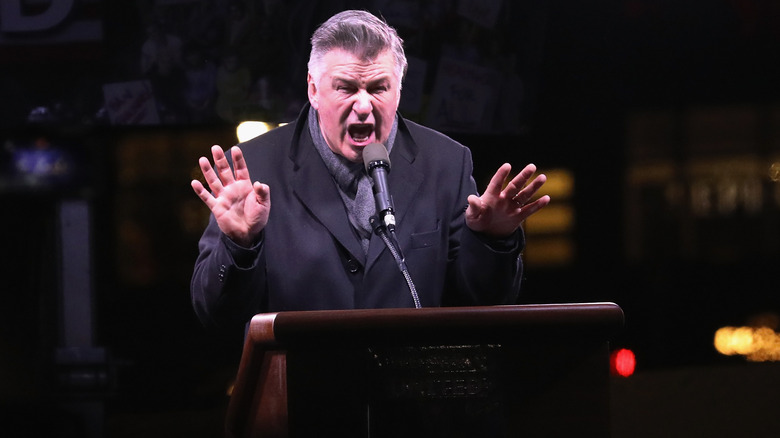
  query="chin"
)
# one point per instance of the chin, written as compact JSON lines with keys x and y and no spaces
{"x":356,"y":157}
{"x":355,"y":151}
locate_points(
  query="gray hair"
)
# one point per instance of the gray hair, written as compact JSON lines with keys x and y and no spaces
{"x":359,"y":33}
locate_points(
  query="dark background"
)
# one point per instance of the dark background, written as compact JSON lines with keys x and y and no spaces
{"x":602,"y":90}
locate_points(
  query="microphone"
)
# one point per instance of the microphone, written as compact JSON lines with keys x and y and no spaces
{"x":377,"y":164}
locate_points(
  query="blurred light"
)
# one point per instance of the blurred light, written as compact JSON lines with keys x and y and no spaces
{"x":622,"y":362}
{"x":550,"y":251}
{"x":774,"y":172}
{"x":757,"y":344}
{"x":554,"y":218}
{"x":560,"y":184}
{"x":250,"y":129}
{"x":552,"y":226}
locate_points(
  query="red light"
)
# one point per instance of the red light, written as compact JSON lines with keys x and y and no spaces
{"x":622,"y":362}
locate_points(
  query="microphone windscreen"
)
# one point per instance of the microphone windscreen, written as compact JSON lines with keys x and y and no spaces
{"x":375,"y":152}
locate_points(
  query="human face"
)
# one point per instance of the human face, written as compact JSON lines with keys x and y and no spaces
{"x":356,"y":101}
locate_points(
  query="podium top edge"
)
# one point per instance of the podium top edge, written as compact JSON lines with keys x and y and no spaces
{"x":273,"y":327}
{"x":426,"y":312}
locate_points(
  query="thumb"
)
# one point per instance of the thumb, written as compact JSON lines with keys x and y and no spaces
{"x":475,"y":208}
{"x":262,"y":192}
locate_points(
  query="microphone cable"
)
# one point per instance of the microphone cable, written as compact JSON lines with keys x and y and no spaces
{"x":391,"y":241}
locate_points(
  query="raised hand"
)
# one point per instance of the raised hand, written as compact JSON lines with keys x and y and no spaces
{"x":240,"y":206}
{"x":499,"y":212}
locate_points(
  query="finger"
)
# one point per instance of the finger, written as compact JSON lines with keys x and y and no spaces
{"x":239,"y":164}
{"x":202,"y":193}
{"x":210,"y":175}
{"x":223,"y":167}
{"x":530,"y":190}
{"x":514,"y":187}
{"x":532,"y":207}
{"x":497,"y":181}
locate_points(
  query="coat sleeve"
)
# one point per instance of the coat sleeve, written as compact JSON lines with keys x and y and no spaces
{"x":481,"y":271}
{"x":226,"y":279}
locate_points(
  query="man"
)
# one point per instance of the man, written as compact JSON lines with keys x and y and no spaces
{"x":315,"y":248}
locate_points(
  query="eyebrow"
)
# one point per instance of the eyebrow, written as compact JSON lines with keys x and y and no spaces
{"x":350,"y":81}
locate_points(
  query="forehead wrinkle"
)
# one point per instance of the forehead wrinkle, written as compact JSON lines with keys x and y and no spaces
{"x":365,"y":71}
{"x":358,"y":63}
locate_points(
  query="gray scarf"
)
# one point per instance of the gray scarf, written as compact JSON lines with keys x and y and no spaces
{"x":352,"y":181}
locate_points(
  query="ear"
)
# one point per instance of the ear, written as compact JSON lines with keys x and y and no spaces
{"x":312,"y":90}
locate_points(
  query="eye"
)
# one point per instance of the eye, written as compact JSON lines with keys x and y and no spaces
{"x":347,"y":89}
{"x":379,"y":89}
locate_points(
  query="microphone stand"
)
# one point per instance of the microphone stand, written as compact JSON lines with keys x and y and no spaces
{"x":391,"y":241}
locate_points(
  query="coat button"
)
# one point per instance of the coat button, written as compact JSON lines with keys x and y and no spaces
{"x":352,"y":266}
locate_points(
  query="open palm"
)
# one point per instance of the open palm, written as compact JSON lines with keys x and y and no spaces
{"x":239,"y":206}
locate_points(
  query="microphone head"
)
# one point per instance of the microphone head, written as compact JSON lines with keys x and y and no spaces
{"x":374,"y":155}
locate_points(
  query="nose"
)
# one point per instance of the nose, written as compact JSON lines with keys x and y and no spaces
{"x":362,"y":105}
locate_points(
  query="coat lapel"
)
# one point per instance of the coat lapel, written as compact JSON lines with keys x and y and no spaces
{"x":404,"y":181}
{"x":314,"y":187}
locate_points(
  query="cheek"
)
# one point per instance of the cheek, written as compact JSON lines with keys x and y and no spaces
{"x":334,"y":120}
{"x":388,"y":107}
{"x":390,"y":102}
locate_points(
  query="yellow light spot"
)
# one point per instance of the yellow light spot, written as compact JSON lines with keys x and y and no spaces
{"x":757,"y":344}
{"x":250,"y":129}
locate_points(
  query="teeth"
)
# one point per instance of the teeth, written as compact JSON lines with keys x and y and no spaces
{"x":360,"y":134}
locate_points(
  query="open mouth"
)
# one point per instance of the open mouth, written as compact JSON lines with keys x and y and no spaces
{"x":360,"y":133}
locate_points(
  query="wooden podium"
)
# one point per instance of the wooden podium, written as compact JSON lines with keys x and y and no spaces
{"x":498,"y":371}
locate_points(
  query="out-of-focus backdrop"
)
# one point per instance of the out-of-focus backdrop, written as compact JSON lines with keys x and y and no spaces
{"x":657,"y":123}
